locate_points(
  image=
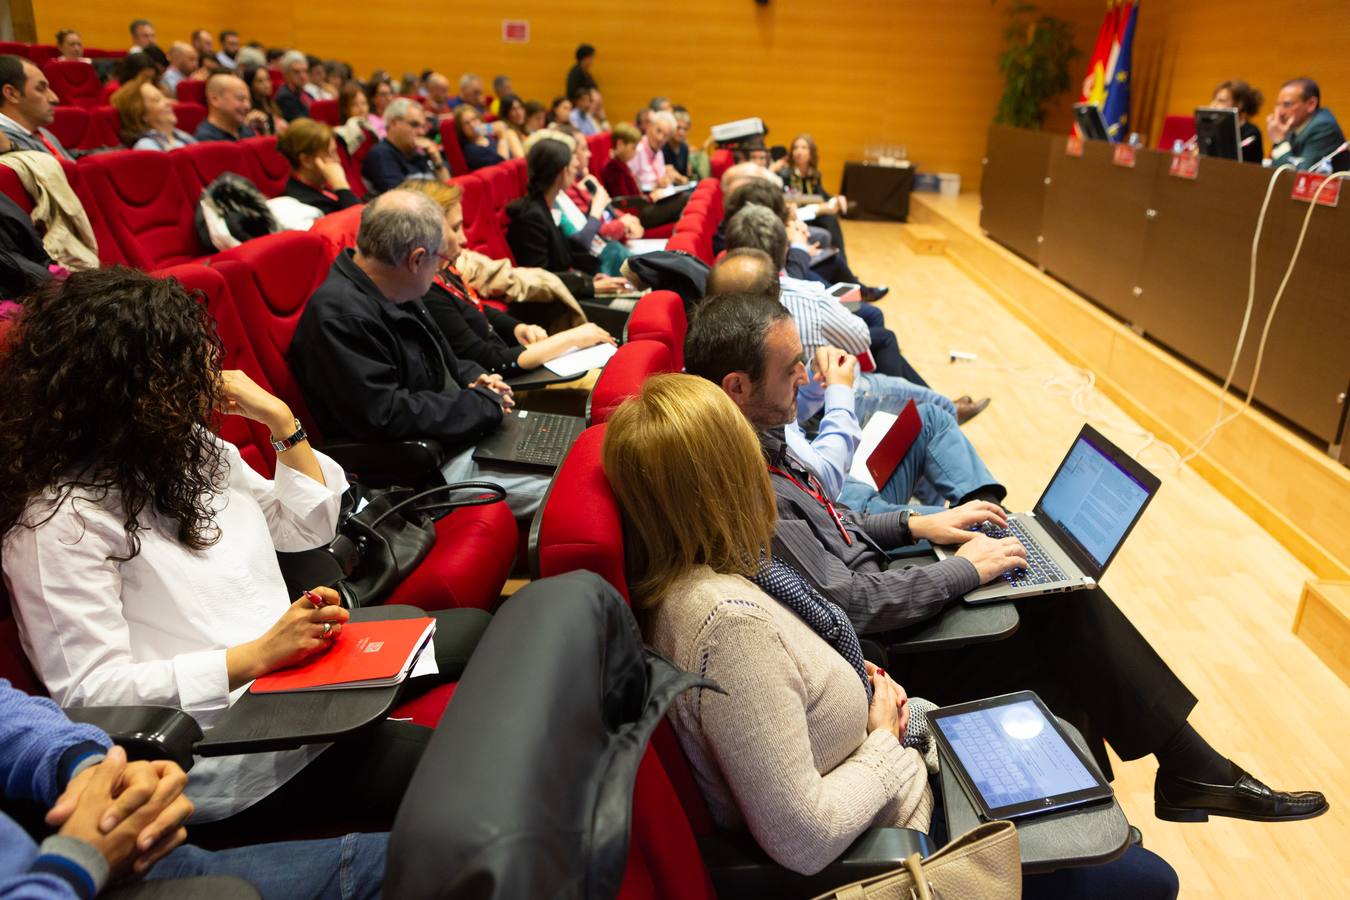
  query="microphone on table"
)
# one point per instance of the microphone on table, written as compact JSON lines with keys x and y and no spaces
{"x":1330,"y":156}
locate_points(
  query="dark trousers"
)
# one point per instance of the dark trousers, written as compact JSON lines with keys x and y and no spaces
{"x":663,"y":212}
{"x":1083,"y":657}
{"x":885,"y":346}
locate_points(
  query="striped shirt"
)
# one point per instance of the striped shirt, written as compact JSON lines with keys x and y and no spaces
{"x":821,"y":319}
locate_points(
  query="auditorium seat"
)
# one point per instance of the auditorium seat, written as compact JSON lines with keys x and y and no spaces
{"x":601,"y":146}
{"x":14,"y":48}
{"x":481,"y":224}
{"x":278,"y":80}
{"x":450,"y":149}
{"x":105,"y":127}
{"x":13,"y":188}
{"x":191,"y":91}
{"x":70,"y":124}
{"x":352,"y":167}
{"x":720,"y":161}
{"x":339,"y":229}
{"x":1176,"y":128}
{"x":198,"y":165}
{"x":41,"y":53}
{"x":75,"y":83}
{"x":659,"y":316}
{"x":578,"y":526}
{"x":146,"y":209}
{"x":623,"y":375}
{"x":270,"y":168}
{"x":96,"y":53}
{"x":325,"y":111}
{"x":189,"y":115}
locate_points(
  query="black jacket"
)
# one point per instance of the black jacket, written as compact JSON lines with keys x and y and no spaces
{"x":578,"y":77}
{"x":325,"y":201}
{"x":487,"y":338}
{"x":291,"y":104}
{"x":374,"y":370}
{"x":535,"y":241}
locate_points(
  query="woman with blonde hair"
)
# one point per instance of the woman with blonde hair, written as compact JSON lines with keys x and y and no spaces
{"x":148,"y":119}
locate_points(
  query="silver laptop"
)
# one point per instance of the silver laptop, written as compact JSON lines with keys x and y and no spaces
{"x":1090,"y":506}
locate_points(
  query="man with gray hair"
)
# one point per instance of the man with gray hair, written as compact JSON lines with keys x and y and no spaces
{"x":437,"y":101}
{"x":292,"y":99}
{"x":406,"y":151}
{"x":374,"y":366}
{"x":470,"y":92}
{"x":501,"y":87}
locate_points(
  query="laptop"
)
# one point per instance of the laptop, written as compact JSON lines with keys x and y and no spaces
{"x":1013,"y":759}
{"x":531,"y":439}
{"x":1088,"y":509}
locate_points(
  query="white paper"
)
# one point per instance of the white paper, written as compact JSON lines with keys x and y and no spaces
{"x":876,"y":429}
{"x":426,"y":663}
{"x":574,"y":362}
{"x":807,"y":213}
{"x":646,"y":245}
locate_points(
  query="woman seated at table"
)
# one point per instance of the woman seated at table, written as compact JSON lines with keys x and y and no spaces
{"x":803,"y":746}
{"x":484,"y":144}
{"x":484,"y":334}
{"x":147,"y":116}
{"x":317,"y":177}
{"x":536,"y":239}
{"x":1241,"y":96}
{"x":259,"y":82}
{"x":140,"y":550}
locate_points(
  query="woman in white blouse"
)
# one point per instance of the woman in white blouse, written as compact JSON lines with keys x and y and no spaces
{"x":139,"y":548}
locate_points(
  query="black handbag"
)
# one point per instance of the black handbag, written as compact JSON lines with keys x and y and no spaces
{"x":381,"y":544}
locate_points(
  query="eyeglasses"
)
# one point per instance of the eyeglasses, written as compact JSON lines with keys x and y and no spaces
{"x":446,"y":262}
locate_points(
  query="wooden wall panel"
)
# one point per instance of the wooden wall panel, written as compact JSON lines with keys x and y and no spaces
{"x":868,"y":71}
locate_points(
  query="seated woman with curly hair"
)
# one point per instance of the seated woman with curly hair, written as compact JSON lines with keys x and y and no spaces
{"x":140,"y":549}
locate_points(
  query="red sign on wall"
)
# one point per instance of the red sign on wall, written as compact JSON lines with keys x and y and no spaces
{"x":1307,"y":186}
{"x":1123,"y":155}
{"x":1184,"y":165}
{"x":1074,"y":147}
{"x":515,"y":31}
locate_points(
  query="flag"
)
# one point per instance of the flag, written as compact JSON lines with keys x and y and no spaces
{"x":1116,"y":110}
{"x":1094,"y":85}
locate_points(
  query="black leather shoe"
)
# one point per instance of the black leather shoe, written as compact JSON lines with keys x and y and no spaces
{"x":873,"y":294}
{"x":1177,"y":799}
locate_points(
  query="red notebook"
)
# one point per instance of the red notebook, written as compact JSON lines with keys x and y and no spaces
{"x":365,"y":654}
{"x":899,"y":438}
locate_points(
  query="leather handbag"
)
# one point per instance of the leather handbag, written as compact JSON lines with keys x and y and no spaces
{"x":381,"y":544}
{"x":985,"y":863}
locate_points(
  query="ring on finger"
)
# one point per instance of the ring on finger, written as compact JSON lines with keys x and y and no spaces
{"x":327,"y":629}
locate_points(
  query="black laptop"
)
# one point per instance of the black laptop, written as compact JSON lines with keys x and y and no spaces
{"x":531,"y":439}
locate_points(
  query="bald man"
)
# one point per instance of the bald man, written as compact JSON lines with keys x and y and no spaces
{"x":183,"y":63}
{"x":230,"y":114}
{"x":437,"y":100}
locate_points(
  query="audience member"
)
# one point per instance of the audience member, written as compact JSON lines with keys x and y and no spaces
{"x":676,"y":151}
{"x":800,"y":170}
{"x":354,"y":113}
{"x":470,"y":92}
{"x":142,"y":34}
{"x":266,"y":117}
{"x":1077,"y":650}
{"x":482,"y":144}
{"x":148,"y":119}
{"x":581,"y":112}
{"x":642,"y":119}
{"x":536,"y":116}
{"x":229,"y":49}
{"x":317,"y":177}
{"x":69,"y":46}
{"x":580,"y":74}
{"x":598,"y":110}
{"x":373,"y":365}
{"x":380,"y":93}
{"x":437,"y":94}
{"x":1302,"y":131}
{"x":182,"y":64}
{"x":26,"y":109}
{"x":648,"y":165}
{"x":560,"y":111}
{"x":511,"y":111}
{"x":205,"y":47}
{"x":131,"y":66}
{"x":661,"y":104}
{"x":251,"y":55}
{"x":76,"y":775}
{"x":292,"y":99}
{"x":316,"y":84}
{"x":339,"y":73}
{"x":169,"y":591}
{"x":495,"y":340}
{"x":616,"y":175}
{"x":586,"y":193}
{"x":501,"y":87}
{"x":1239,"y":95}
{"x":536,"y":239}
{"x":229,"y":115}
{"x":405,"y":152}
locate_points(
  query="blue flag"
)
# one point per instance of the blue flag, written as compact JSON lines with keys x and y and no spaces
{"x":1117,"y":108}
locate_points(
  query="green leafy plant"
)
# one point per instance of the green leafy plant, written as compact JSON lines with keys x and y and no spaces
{"x":1035,"y":64}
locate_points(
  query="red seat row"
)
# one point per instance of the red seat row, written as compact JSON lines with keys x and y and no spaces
{"x":41,"y":53}
{"x":699,"y":221}
{"x":97,"y":127}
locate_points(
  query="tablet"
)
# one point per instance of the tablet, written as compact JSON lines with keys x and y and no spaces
{"x":1013,"y":758}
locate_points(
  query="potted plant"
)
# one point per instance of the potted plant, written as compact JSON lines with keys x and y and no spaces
{"x":1035,"y":64}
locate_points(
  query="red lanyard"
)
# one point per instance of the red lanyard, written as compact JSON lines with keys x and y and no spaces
{"x":817,"y":494}
{"x":48,"y":144}
{"x":467,"y":294}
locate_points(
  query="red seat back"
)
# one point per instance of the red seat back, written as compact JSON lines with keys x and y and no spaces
{"x":271,"y":279}
{"x":270,"y":168}
{"x":40,"y":53}
{"x":189,"y":115}
{"x":278,"y":80}
{"x":481,"y":224}
{"x":14,"y":48}
{"x":105,"y":129}
{"x":13,"y":188}
{"x":96,"y":53}
{"x":450,"y":149}
{"x":190,"y":90}
{"x":659,"y":316}
{"x":663,"y":855}
{"x":623,"y":375}
{"x":325,"y":111}
{"x":720,"y":161}
{"x":146,"y":210}
{"x":200,"y":164}
{"x":602,"y":147}
{"x":75,"y":83}
{"x":339,"y":229}
{"x":352,"y":166}
{"x":70,"y":124}
{"x":579,"y":526}
{"x":1176,"y":128}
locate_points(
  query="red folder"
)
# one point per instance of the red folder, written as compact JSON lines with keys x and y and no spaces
{"x":902,"y":434}
{"x":365,"y":654}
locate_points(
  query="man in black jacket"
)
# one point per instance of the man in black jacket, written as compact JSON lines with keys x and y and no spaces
{"x":374,"y":366}
{"x":292,"y":99}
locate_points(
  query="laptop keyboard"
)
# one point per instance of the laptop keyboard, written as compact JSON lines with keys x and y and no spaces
{"x":546,"y":439}
{"x":1041,"y":569}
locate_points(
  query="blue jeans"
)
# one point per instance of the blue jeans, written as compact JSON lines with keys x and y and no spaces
{"x":941,"y":467}
{"x":345,"y":868}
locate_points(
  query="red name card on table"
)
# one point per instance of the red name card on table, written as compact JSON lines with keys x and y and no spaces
{"x":1123,"y":155}
{"x":365,"y":654}
{"x":1308,"y":186}
{"x":1074,"y":147}
{"x":1184,"y":165}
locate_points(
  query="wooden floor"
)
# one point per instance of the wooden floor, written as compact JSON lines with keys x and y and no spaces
{"x":1212,"y":591}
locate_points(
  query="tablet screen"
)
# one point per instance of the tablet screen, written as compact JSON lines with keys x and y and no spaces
{"x":1013,"y":755}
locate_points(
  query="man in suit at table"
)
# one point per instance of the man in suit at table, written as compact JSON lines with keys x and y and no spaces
{"x":1302,"y":131}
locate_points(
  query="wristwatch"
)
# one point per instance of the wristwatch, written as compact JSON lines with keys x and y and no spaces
{"x":283,"y":445}
{"x":906,"y":536}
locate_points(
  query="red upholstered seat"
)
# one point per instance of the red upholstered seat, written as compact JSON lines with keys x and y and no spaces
{"x":191,"y":91}
{"x":189,"y":115}
{"x":14,"y":48}
{"x":684,"y":243}
{"x":105,"y":95}
{"x":520,"y":173}
{"x":663,"y":856}
{"x":96,"y":53}
{"x":40,"y":53}
{"x":720,"y":161}
{"x":351,"y":164}
{"x":270,"y":168}
{"x":602,"y":147}
{"x":623,"y":375}
{"x":13,"y":188}
{"x":105,"y":129}
{"x":481,"y":223}
{"x":579,"y":526}
{"x":278,"y":80}
{"x":146,"y":209}
{"x":198,"y":165}
{"x":339,"y":229}
{"x":1176,"y":128}
{"x":70,"y":124}
{"x":325,"y":111}
{"x":659,"y":316}
{"x":75,"y":83}
{"x":450,"y":149}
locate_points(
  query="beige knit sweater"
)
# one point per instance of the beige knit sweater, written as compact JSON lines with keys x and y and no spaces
{"x":785,"y":753}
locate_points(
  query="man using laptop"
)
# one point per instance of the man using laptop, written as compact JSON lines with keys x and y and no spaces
{"x":1076,"y":650}
{"x":373,"y":365}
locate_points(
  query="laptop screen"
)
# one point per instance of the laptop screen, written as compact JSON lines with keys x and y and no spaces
{"x":1094,"y":500}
